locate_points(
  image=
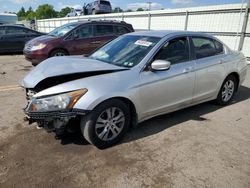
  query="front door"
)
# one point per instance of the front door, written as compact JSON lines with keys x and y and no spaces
{"x":163,"y":91}
{"x":81,"y":41}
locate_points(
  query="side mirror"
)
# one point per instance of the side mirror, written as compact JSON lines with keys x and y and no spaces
{"x":160,"y":65}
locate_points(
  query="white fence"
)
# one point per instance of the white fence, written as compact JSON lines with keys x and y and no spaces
{"x":230,"y":23}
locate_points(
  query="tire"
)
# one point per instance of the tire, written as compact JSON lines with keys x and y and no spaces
{"x":58,"y":52}
{"x":99,"y":126}
{"x":227,"y":91}
{"x":93,"y":12}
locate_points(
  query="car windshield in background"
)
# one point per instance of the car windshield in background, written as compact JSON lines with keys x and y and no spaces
{"x":61,"y":31}
{"x":126,"y":51}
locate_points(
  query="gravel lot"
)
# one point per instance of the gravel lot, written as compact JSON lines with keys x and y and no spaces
{"x":201,"y":146}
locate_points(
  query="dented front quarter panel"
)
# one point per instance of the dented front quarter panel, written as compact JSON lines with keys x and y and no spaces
{"x":100,"y":88}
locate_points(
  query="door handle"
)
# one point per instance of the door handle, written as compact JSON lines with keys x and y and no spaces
{"x":96,"y":42}
{"x":188,"y":69}
{"x":221,"y":61}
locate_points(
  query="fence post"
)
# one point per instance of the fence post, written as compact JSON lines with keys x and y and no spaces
{"x":149,"y":21}
{"x":244,"y":26}
{"x":122,"y":16}
{"x":186,"y":21}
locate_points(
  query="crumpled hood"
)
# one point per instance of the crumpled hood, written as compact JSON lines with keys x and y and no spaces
{"x":58,"y":66}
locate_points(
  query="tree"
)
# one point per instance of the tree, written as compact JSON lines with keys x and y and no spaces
{"x":129,"y":10}
{"x":63,"y":12}
{"x":21,"y":14}
{"x":117,"y":10}
{"x":140,"y":9}
{"x":30,"y":14}
{"x":45,"y":11}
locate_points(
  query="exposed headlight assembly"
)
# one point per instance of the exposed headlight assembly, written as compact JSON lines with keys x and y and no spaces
{"x":56,"y":102}
{"x":38,"y":47}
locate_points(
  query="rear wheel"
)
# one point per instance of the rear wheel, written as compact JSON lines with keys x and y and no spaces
{"x":58,"y":52}
{"x":106,"y":124}
{"x":227,"y":91}
{"x":93,"y":12}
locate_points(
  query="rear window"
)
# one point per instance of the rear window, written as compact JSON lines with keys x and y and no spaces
{"x":102,"y":30}
{"x":104,"y":2}
{"x":219,"y":47}
{"x":120,"y":30}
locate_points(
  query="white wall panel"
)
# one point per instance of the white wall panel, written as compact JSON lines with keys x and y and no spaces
{"x":168,"y":22}
{"x":229,"y":19}
{"x":246,"y":47}
{"x":231,"y":41}
{"x":248,"y":25}
{"x":137,"y":22}
{"x":219,"y":22}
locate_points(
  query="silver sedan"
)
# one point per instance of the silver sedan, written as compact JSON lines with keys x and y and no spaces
{"x":129,"y":80}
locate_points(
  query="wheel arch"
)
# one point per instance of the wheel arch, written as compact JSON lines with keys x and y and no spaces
{"x":131,"y":106}
{"x":236,"y":76}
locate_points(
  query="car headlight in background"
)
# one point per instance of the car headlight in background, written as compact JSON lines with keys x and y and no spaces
{"x":57,"y":102}
{"x":38,"y":47}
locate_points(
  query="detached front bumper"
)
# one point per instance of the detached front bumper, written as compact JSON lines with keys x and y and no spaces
{"x":53,"y":121}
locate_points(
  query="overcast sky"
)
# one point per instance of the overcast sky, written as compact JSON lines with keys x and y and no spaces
{"x":15,"y":5}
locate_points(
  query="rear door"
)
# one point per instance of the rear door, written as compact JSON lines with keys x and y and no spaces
{"x":15,"y":38}
{"x":210,"y":58}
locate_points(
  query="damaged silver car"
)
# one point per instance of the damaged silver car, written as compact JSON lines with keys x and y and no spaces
{"x":131,"y":79}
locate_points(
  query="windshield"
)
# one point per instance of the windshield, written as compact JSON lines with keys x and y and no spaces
{"x":61,"y":31}
{"x":126,"y":51}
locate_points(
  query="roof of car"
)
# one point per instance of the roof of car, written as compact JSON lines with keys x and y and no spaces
{"x":99,"y":21}
{"x":163,"y":33}
{"x":15,"y":25}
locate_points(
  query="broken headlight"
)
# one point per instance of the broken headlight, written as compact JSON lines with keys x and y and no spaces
{"x":56,"y":102}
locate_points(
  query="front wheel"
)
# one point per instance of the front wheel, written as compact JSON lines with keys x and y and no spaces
{"x":58,"y":52}
{"x":106,"y":124}
{"x":227,"y":91}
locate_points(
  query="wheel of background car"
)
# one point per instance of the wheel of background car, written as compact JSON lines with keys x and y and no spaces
{"x":227,"y":90}
{"x":58,"y":52}
{"x":106,"y":124}
{"x":93,"y":12}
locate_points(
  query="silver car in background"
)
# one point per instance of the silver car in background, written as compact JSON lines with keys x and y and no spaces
{"x":98,"y":7}
{"x":129,"y":80}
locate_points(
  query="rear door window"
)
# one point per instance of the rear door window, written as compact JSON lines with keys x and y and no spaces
{"x":120,"y":30}
{"x":204,"y":47}
{"x":104,"y":30}
{"x":15,"y":30}
{"x":84,"y":31}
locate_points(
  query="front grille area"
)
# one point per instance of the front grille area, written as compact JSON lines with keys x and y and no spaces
{"x":27,"y":47}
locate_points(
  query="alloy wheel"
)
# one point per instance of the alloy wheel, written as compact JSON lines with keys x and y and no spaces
{"x":110,"y":123}
{"x":228,"y":90}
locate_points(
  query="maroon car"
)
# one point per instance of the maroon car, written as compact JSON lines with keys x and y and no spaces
{"x":74,"y":39}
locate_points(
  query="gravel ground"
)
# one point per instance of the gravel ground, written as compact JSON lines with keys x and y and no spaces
{"x":201,"y":146}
